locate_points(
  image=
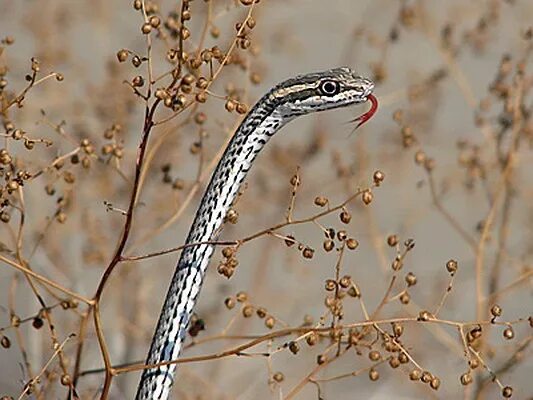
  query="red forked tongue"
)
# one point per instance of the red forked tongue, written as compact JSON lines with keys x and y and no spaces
{"x":366,"y":116}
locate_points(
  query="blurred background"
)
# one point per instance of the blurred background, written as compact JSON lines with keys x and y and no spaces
{"x":452,"y":137}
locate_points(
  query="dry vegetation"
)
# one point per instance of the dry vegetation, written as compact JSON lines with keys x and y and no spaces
{"x":318,"y":289}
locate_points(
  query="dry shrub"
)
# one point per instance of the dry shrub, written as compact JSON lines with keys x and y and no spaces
{"x":317,"y":280}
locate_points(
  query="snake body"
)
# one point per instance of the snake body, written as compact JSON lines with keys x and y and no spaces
{"x":297,"y":96}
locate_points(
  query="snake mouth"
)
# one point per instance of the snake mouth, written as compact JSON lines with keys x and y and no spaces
{"x":369,"y":90}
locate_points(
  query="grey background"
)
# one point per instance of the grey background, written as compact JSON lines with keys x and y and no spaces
{"x":81,"y":38}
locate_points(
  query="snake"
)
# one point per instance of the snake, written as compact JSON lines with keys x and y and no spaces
{"x":301,"y":95}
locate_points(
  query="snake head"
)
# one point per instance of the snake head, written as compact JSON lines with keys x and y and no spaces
{"x":319,"y":91}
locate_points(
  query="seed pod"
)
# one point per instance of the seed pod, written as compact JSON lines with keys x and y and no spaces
{"x":261,"y":312}
{"x":435,"y":383}
{"x":228,"y":252}
{"x":206,"y":55}
{"x":390,"y":346}
{"x":392,"y":240}
{"x":242,"y":297}
{"x":230,"y":105}
{"x":12,"y":186}
{"x":242,"y":108}
{"x":122,"y":55}
{"x":61,"y":217}
{"x":451,"y":266}
{"x":378,"y":177}
{"x":410,"y":278}
{"x":86,"y":162}
{"x":194,"y":63}
{"x":308,"y":252}
{"x":397,"y":329}
{"x":424,"y":316}
{"x":269,"y":322}
{"x":415,"y":375}
{"x":405,"y":298}
{"x":394,"y":362}
{"x":345,"y":281}
{"x":508,"y":333}
{"x":202,"y":83}
{"x":476,"y":332}
{"x":374,"y":355}
{"x":341,"y":235}
{"x":201,"y":97}
{"x":255,"y":78}
{"x":426,"y":377}
{"x":278,"y":377}
{"x":312,"y":339}
{"x":118,"y":152}
{"x":5,"y":342}
{"x":229,"y":302}
{"x":232,"y":216}
{"x":328,"y":245}
{"x":294,"y":347}
{"x":188,"y":79}
{"x":466,"y":379}
{"x":496,"y":310}
{"x":397,"y":264}
{"x":137,"y":81}
{"x":37,"y":323}
{"x":420,"y":157}
{"x":367,"y":197}
{"x":155,"y":21}
{"x":136,"y":61}
{"x":373,"y":374}
{"x":185,"y":33}
{"x":4,"y":217}
{"x":321,"y":201}
{"x":65,"y":380}
{"x":330,"y":285}
{"x":247,"y":311}
{"x":290,"y":241}
{"x":354,"y":291}
{"x":507,"y":392}
{"x":223,"y":270}
{"x":161,"y":94}
{"x":352,"y":243}
{"x":345,"y":217}
{"x":69,"y":177}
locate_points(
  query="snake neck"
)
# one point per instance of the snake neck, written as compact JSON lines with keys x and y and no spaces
{"x":263,"y":121}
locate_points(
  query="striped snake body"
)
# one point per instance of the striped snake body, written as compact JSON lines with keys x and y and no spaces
{"x":305,"y":94}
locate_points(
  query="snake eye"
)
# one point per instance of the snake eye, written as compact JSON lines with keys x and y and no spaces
{"x":329,"y":88}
